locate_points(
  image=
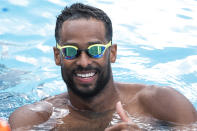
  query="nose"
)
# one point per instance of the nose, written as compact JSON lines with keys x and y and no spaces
{"x":83,"y":60}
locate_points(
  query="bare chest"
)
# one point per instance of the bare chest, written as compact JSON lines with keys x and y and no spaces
{"x":83,"y":121}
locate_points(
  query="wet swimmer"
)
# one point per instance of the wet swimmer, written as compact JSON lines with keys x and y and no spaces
{"x":94,"y":102}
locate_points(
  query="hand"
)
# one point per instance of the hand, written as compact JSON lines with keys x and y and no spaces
{"x":126,"y":124}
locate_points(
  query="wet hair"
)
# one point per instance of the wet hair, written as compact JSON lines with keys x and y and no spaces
{"x":78,"y":11}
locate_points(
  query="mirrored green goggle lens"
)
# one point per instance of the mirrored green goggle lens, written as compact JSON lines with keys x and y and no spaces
{"x":69,"y":52}
{"x":95,"y":52}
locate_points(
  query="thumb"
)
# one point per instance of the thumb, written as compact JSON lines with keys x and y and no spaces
{"x":121,"y":112}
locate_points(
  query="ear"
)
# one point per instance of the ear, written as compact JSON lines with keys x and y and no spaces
{"x":113,"y":53}
{"x":56,"y":56}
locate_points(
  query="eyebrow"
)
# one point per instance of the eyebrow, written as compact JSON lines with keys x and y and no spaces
{"x":95,"y":42}
{"x":76,"y":44}
{"x":66,"y":43}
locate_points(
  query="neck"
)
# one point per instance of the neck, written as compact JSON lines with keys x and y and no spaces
{"x":103,"y":102}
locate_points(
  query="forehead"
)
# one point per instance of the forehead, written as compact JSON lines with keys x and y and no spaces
{"x":83,"y":30}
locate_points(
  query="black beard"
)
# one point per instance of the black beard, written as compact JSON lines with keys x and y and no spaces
{"x":103,"y":79}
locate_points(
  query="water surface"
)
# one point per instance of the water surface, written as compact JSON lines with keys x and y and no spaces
{"x":157,"y":44}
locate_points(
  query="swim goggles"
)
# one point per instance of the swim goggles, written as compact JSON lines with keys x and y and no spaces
{"x":95,"y":51}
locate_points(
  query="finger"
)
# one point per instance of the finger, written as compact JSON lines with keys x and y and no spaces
{"x":121,"y":112}
{"x":123,"y":126}
{"x":118,"y":127}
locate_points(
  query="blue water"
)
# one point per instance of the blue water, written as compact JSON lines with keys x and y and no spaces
{"x":157,"y":44}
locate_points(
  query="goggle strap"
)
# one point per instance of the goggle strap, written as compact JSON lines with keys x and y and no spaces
{"x":58,"y":46}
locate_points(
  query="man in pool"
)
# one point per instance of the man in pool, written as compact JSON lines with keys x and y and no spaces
{"x":84,"y":51}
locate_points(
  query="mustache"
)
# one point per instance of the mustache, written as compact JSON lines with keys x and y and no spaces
{"x":88,"y":68}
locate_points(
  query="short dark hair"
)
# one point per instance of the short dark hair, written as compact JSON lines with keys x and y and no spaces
{"x":79,"y":10}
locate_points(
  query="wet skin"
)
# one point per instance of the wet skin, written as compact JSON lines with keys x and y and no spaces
{"x":76,"y":33}
{"x":90,"y":101}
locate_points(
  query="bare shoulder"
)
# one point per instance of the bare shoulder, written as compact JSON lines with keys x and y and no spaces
{"x":164,"y":103}
{"x":31,"y":114}
{"x":167,"y":104}
{"x":59,"y":101}
{"x":36,"y":113}
{"x":129,"y":88}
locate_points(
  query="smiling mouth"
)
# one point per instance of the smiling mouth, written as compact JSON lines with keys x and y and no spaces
{"x":85,"y":75}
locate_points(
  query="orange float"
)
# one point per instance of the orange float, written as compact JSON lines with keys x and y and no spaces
{"x":4,"y":126}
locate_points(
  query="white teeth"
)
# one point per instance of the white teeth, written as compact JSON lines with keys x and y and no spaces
{"x":86,"y":75}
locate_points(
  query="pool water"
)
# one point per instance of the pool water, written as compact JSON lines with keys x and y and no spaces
{"x":157,"y":44}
